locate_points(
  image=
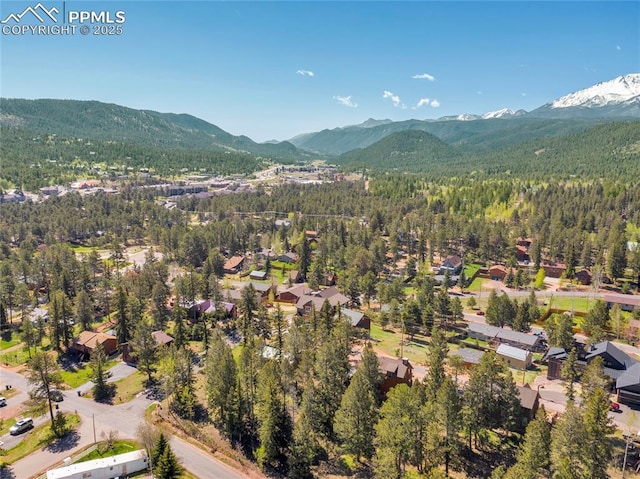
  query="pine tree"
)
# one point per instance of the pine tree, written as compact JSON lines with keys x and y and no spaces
{"x":436,"y":355}
{"x":275,"y":426}
{"x":99,"y":375}
{"x":355,"y":419}
{"x":570,"y":373}
{"x":144,"y":349}
{"x":370,"y":368}
{"x":122,"y":320}
{"x":598,"y":428}
{"x":303,"y":450}
{"x":167,"y":465}
{"x":567,"y":442}
{"x":448,"y":414}
{"x":220,"y":371}
{"x":180,"y":337}
{"x":84,"y":310}
{"x":158,"y":451}
{"x":533,"y":456}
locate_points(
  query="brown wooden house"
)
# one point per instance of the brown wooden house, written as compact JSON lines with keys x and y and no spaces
{"x":394,"y":372}
{"x":88,"y":341}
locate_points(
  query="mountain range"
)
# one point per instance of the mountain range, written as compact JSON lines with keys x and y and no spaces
{"x":615,"y":99}
{"x":380,"y":143}
{"x":109,"y":122}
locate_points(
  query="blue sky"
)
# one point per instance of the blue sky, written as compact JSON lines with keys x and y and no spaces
{"x":245,"y":66}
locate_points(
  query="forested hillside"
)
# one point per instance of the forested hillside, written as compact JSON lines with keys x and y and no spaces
{"x":609,"y":150}
{"x":32,"y":160}
{"x":92,"y":120}
{"x":481,"y":134}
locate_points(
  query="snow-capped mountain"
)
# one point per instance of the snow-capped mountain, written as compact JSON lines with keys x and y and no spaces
{"x":617,"y":98}
{"x":504,"y":113}
{"x":613,"y":92}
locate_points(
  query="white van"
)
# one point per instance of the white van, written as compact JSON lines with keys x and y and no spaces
{"x":21,"y":426}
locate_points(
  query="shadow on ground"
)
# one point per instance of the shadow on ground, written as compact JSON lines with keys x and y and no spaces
{"x":6,"y":472}
{"x":69,"y":441}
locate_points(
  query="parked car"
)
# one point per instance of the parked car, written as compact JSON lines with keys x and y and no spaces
{"x":480,"y":313}
{"x":21,"y":426}
{"x":3,"y":401}
{"x":614,"y":406}
{"x":56,"y":395}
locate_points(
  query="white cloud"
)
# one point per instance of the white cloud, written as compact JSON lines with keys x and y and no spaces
{"x":422,"y":102}
{"x":523,"y":94}
{"x":305,"y":73}
{"x":346,"y":101}
{"x":423,"y":76}
{"x":618,"y":47}
{"x":434,"y":103}
{"x":395,"y":99}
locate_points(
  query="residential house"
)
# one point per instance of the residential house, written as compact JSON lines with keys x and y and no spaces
{"x":553,"y":269}
{"x":311,"y":235}
{"x":615,"y":361}
{"x":120,"y":465}
{"x":626,"y":301}
{"x":471,"y":357}
{"x":258,"y":275}
{"x":209,"y":306}
{"x":162,"y":339}
{"x":497,"y":272}
{"x":554,"y":358}
{"x":628,"y":386}
{"x":583,"y":277}
{"x":263,"y":290}
{"x":329,"y":279}
{"x":288,"y":258}
{"x":267,"y":253}
{"x":522,"y":253}
{"x":395,"y":371}
{"x":451,"y":263}
{"x":357,"y":319}
{"x":529,"y":403}
{"x":88,"y":341}
{"x":327,"y":293}
{"x":307,"y":303}
{"x":234,"y":264}
{"x":293,"y":294}
{"x":496,"y":336}
{"x":295,"y":277}
{"x":515,"y":357}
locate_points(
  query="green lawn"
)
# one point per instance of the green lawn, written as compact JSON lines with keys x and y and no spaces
{"x":35,"y":439}
{"x":578,"y":304}
{"x":471,"y":269}
{"x":127,"y":388}
{"x":388,"y":342}
{"x":6,"y":344}
{"x":77,"y":378}
{"x":16,"y":357}
{"x":119,"y":447}
{"x":476,"y":285}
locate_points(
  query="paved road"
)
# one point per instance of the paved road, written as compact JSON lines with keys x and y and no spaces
{"x":123,"y":418}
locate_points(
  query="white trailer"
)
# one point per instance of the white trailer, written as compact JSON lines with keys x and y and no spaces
{"x":106,"y":468}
